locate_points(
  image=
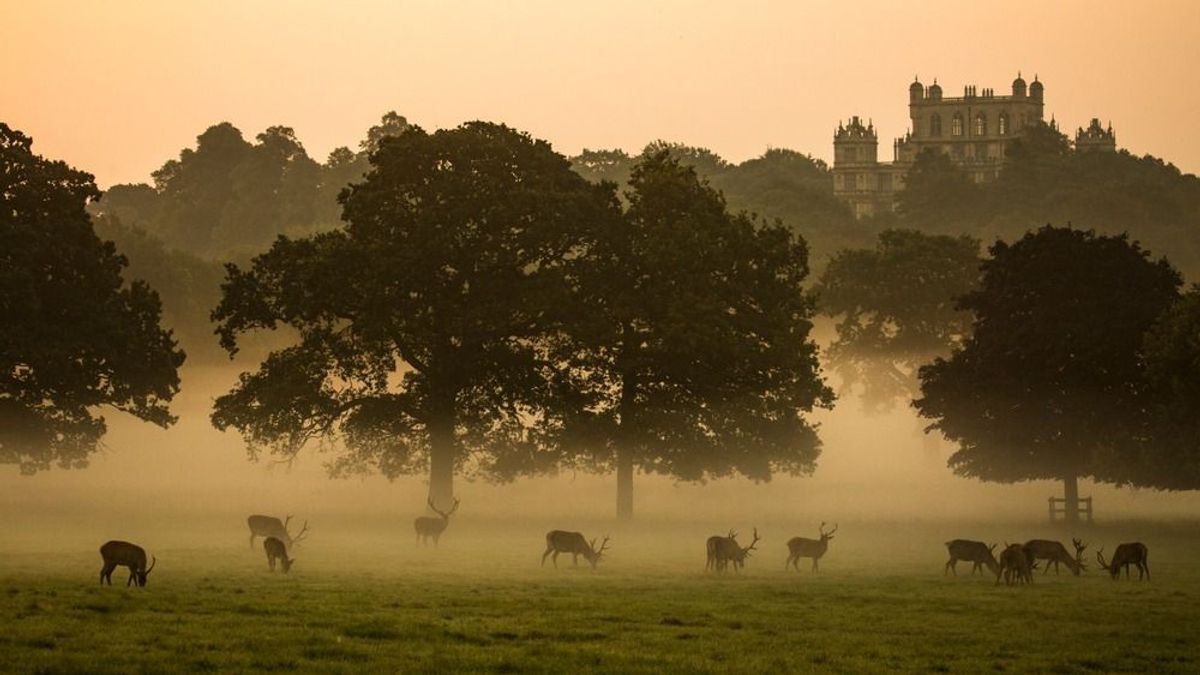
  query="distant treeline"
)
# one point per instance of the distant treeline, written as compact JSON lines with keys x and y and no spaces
{"x":228,"y":198}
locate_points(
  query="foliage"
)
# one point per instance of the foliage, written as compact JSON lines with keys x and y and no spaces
{"x":189,"y":286}
{"x":419,"y":319}
{"x":75,"y":335}
{"x":781,"y":184}
{"x":692,"y":346}
{"x":1044,"y":180}
{"x":228,"y":198}
{"x":1172,"y":354}
{"x":897,"y":310}
{"x":1050,"y":383}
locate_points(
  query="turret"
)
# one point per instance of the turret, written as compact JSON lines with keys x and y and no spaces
{"x":915,"y":91}
{"x":1019,"y":86}
{"x":1096,"y":137}
{"x":855,"y":143}
{"x":1035,"y":90}
{"x":935,"y":91}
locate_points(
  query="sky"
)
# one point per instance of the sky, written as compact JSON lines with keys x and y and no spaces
{"x":118,"y":87}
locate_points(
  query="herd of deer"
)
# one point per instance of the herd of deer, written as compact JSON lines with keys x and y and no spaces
{"x":1015,"y":564}
{"x":1018,"y":561}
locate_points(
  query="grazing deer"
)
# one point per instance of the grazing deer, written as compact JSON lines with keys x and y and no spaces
{"x":561,"y":541}
{"x":800,"y":547}
{"x":124,"y":554}
{"x":973,"y":552}
{"x":1016,"y":564}
{"x":267,"y":526}
{"x":428,"y":526}
{"x":1054,"y":552}
{"x":724,"y":550}
{"x":277,"y":549}
{"x":1134,"y":553}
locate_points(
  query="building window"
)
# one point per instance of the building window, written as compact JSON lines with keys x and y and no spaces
{"x":935,"y":125}
{"x":980,"y":125}
{"x":956,"y":125}
{"x":1003,"y":124}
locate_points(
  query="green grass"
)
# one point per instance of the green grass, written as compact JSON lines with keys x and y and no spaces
{"x":358,"y":603}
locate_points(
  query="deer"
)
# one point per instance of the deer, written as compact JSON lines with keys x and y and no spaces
{"x":1016,"y":564}
{"x":800,"y":547}
{"x":561,"y":541}
{"x":724,"y":550}
{"x":1134,"y":553}
{"x":268,"y":526}
{"x":429,"y":526}
{"x":275,"y":548}
{"x":1054,"y":552}
{"x":124,"y":554}
{"x":973,"y":552}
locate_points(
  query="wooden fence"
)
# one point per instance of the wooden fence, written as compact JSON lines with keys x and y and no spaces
{"x":1058,"y":509}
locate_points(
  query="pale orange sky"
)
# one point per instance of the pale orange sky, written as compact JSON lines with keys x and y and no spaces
{"x":118,"y":87}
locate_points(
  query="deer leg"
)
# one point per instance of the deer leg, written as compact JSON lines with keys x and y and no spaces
{"x":1146,"y":566}
{"x":251,"y":541}
{"x":435,"y":539}
{"x":554,"y":559}
{"x":574,"y":560}
{"x":548,"y":550}
{"x":787,"y":563}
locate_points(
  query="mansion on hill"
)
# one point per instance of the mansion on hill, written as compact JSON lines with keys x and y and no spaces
{"x":974,"y":130}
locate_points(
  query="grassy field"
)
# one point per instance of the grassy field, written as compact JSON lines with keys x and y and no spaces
{"x":372,"y":600}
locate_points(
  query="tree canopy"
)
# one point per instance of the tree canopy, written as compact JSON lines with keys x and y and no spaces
{"x":419,"y":320}
{"x":897,"y":310}
{"x":74,"y":336}
{"x":1050,"y":384}
{"x":692,"y":349}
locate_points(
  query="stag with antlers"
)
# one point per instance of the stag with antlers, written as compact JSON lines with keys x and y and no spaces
{"x":1054,"y":552}
{"x":432,"y":527}
{"x":561,"y":541}
{"x":724,"y":550}
{"x":1134,"y":553}
{"x":124,"y":554}
{"x":800,"y":547}
{"x":268,"y":526}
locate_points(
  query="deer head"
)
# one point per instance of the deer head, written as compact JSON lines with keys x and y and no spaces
{"x":141,"y":576}
{"x":1111,"y":569}
{"x":826,"y":536}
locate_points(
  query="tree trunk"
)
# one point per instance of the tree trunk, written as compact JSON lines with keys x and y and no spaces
{"x":624,"y":483}
{"x":626,"y":443}
{"x":442,"y":454}
{"x":1071,"y":493}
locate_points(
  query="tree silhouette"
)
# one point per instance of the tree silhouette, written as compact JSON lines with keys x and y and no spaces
{"x":1050,"y":384}
{"x":74,"y":336}
{"x":897,"y":309}
{"x":420,"y":321}
{"x":691,"y":354}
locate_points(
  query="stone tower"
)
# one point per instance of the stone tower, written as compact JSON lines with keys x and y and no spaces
{"x":1096,"y":138}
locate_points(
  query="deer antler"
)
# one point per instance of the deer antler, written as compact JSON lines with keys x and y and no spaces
{"x":830,"y":533}
{"x":300,"y":535}
{"x":751,"y":546}
{"x":1100,"y":558}
{"x":153,"y":562}
{"x":603,"y":545}
{"x":732,"y":534}
{"x":286,"y":520}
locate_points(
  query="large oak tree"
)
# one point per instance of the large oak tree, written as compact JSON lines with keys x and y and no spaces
{"x":74,"y":335}
{"x":1051,"y":383}
{"x":692,"y":355}
{"x":420,"y":322}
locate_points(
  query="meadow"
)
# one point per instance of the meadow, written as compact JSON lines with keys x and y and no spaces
{"x":363,"y":597}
